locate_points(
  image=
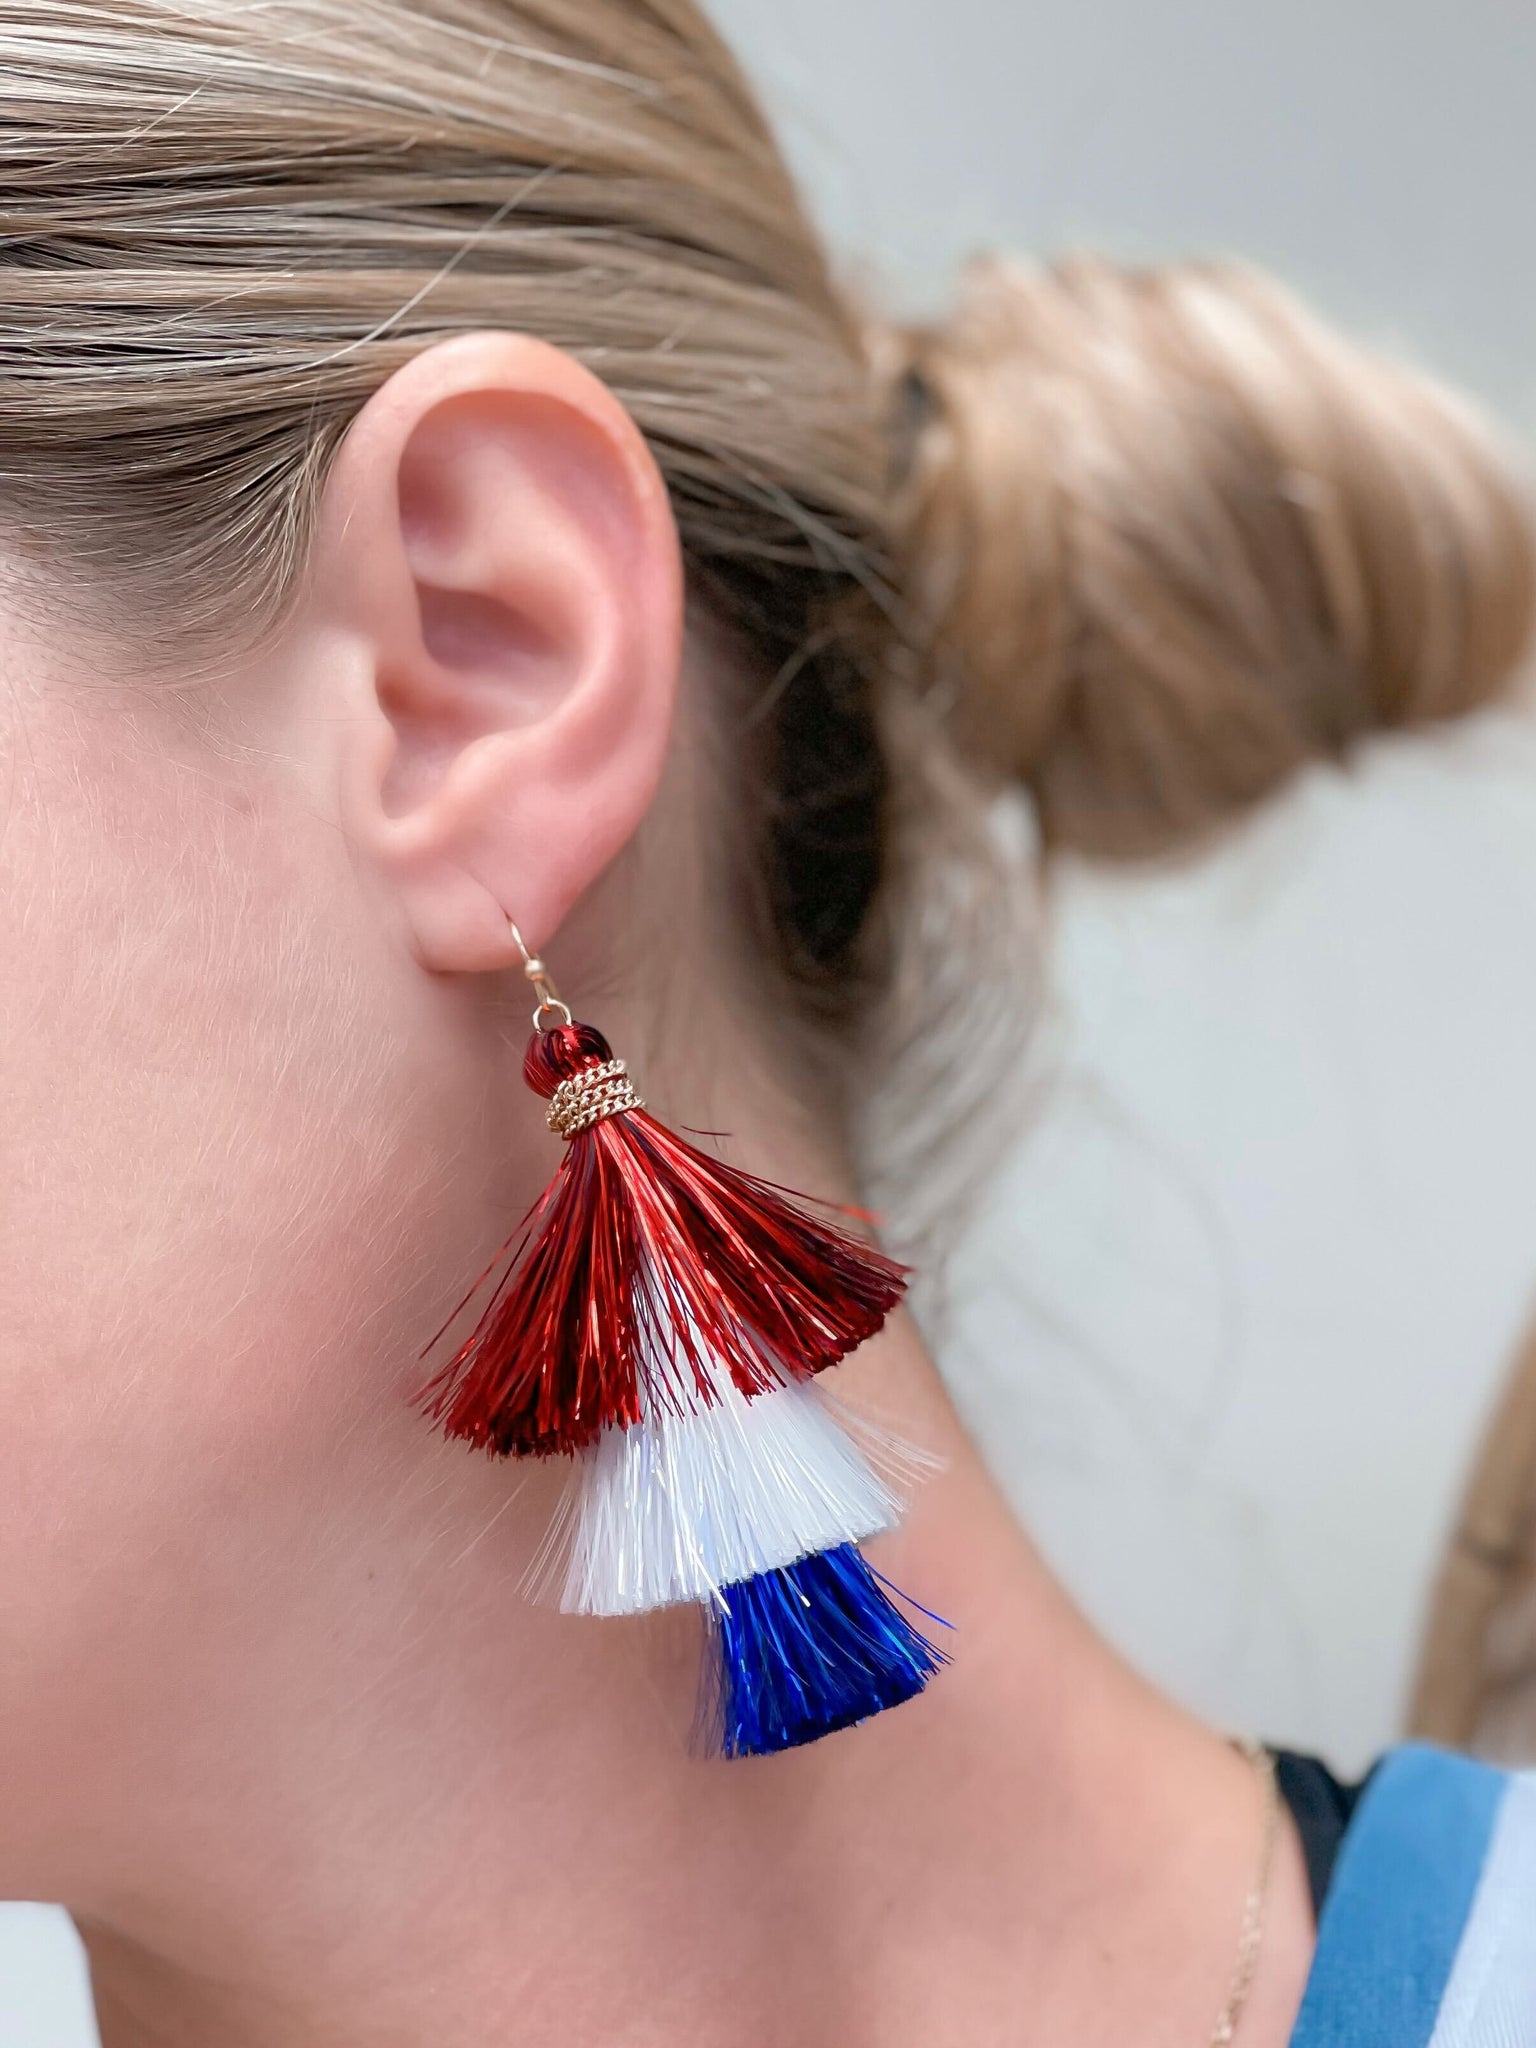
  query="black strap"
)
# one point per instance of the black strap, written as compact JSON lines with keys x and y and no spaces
{"x":1321,"y":1807}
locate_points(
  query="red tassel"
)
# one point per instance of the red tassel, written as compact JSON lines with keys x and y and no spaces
{"x":645,"y":1255}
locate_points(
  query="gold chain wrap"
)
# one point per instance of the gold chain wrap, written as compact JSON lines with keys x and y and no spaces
{"x":586,"y":1098}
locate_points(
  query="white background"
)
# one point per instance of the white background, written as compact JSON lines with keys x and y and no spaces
{"x":1235,"y":1315}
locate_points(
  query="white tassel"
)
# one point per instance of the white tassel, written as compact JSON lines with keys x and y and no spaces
{"x":685,"y":1503}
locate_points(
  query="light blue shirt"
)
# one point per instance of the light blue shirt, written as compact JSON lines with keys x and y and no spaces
{"x":1428,"y":1932}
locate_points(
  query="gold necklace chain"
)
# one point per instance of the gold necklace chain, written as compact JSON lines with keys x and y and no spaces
{"x":1251,"y":1940}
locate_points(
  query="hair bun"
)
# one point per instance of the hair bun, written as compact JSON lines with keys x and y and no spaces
{"x":1167,"y":538}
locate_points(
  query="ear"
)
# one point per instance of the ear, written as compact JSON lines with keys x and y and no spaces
{"x":498,"y":569}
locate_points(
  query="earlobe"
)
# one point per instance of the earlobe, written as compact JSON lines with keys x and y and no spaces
{"x":497,"y":549}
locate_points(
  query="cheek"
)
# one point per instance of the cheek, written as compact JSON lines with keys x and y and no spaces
{"x":219,"y":1173}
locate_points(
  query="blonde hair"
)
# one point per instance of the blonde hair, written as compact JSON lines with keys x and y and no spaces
{"x":1146,"y":540}
{"x":1174,"y":539}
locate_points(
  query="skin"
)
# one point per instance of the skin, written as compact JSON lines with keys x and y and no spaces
{"x":276,"y":1719}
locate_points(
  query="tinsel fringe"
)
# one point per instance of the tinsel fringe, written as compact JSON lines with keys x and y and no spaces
{"x":737,"y":1273}
{"x":679,"y":1507}
{"x":802,"y":1652}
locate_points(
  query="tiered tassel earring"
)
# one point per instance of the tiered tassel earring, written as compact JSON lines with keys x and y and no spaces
{"x":660,"y":1317}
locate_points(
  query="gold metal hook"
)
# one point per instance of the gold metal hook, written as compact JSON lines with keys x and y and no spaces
{"x":537,"y":975}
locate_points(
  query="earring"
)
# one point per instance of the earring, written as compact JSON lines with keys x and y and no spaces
{"x":660,"y":1318}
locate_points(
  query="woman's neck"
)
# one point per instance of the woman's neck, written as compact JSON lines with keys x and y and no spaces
{"x":375,"y":1797}
{"x":458,"y":1823}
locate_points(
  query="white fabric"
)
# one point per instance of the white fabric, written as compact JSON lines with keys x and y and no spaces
{"x":1490,"y":1998}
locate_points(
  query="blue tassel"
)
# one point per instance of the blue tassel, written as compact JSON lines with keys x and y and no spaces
{"x":806,"y":1650}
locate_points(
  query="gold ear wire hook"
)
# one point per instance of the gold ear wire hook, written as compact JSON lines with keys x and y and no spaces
{"x":537,"y":974}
